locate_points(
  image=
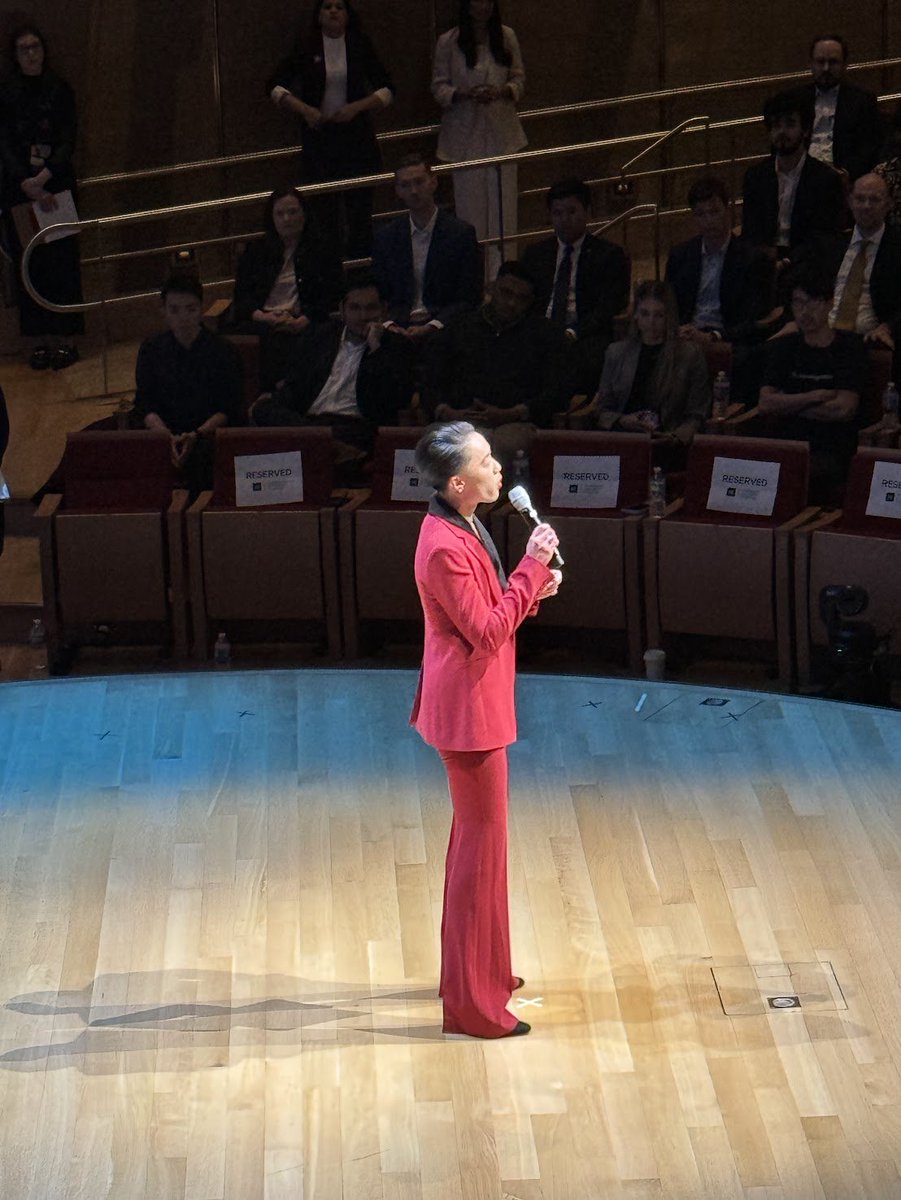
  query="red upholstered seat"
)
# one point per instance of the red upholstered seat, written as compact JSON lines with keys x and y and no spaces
{"x":377,"y":541}
{"x":268,"y":572}
{"x":723,"y":575}
{"x":601,"y":546}
{"x":849,"y":546}
{"x":112,"y":545}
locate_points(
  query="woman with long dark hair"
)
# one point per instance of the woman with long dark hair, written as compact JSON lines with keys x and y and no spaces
{"x":285,"y":282}
{"x":38,"y":127}
{"x":654,"y":381}
{"x":478,"y":79}
{"x":464,"y":708}
{"x":334,"y":82}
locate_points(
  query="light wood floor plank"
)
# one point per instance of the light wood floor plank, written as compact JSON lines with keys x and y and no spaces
{"x":220,"y":897}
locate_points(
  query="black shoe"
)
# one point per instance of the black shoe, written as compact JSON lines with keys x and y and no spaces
{"x":64,"y":357}
{"x":519,"y":1029}
{"x":41,"y":358}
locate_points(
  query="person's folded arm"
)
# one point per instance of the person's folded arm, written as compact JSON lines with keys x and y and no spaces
{"x":449,"y":578}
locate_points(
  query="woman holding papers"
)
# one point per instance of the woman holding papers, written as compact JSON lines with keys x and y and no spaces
{"x":464,"y":708}
{"x":37,"y":142}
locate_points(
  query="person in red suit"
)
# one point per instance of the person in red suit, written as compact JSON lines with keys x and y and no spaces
{"x":464,"y":708}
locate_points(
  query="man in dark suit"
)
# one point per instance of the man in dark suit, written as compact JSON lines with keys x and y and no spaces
{"x":790,"y":195}
{"x":847,"y":128}
{"x":427,"y":264}
{"x":865,"y":266}
{"x":356,"y":376}
{"x":581,"y":281}
{"x":723,"y":285}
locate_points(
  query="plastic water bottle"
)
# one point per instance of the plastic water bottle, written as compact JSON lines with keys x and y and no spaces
{"x":222,"y":651}
{"x":890,"y":407}
{"x":720,"y":396}
{"x":37,"y":634}
{"x":657,"y":493}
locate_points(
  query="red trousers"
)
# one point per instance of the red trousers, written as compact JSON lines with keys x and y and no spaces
{"x":476,"y":978}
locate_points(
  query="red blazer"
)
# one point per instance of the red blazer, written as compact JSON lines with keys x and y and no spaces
{"x":465,"y":696}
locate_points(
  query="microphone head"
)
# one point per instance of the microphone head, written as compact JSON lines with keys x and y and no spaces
{"x":519,"y":498}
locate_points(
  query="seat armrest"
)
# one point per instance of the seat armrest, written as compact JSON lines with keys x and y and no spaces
{"x":48,"y":507}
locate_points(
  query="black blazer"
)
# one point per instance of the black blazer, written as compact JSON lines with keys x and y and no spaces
{"x":384,"y":380}
{"x":603,"y":276}
{"x":857,"y":133}
{"x":44,"y":113}
{"x":303,"y":74}
{"x":453,"y":269}
{"x":885,"y":278}
{"x":746,"y":285}
{"x":318,"y":272}
{"x":819,"y":203}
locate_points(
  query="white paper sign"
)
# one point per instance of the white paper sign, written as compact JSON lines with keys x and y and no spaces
{"x":885,"y":490}
{"x":268,"y":479}
{"x":743,"y":485}
{"x":407,"y":484}
{"x":585,"y":481}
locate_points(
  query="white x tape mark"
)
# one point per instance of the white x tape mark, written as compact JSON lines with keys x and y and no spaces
{"x":522,"y":1002}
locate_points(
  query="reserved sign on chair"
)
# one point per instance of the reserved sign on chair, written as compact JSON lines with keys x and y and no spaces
{"x":885,"y":490}
{"x":268,"y":479}
{"x":585,"y":481}
{"x":743,"y":485}
{"x":406,"y":483}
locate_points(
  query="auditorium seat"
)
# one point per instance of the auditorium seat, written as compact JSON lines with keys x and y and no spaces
{"x":725,"y":575}
{"x":112,"y":544}
{"x":265,"y":572}
{"x":851,"y":546}
{"x":601,"y":593}
{"x":377,"y":540}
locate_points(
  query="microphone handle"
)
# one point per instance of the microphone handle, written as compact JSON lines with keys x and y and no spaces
{"x":531,"y":518}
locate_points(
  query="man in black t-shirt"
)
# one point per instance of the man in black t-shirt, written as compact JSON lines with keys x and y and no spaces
{"x":812,"y":383}
{"x":188,"y":382}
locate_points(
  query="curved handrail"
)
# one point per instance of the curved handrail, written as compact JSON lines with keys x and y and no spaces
{"x":558,"y":110}
{"x":686,"y":126}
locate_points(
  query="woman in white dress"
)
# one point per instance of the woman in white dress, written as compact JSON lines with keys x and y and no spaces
{"x":478,"y":79}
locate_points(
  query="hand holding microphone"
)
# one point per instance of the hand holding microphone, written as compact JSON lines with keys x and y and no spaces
{"x":543,"y":542}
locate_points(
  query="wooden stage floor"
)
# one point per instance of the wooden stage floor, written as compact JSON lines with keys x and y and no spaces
{"x":219,"y":906}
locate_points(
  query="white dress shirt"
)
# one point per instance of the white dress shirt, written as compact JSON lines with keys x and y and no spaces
{"x":420,"y":242}
{"x":338,"y":397}
{"x":572,"y":315}
{"x":823,"y":124}
{"x":283,"y":296}
{"x":788,"y":186}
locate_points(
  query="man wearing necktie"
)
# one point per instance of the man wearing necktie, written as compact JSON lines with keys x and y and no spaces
{"x":581,"y":281}
{"x":866,"y":266}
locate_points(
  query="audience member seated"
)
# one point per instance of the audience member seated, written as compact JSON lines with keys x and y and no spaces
{"x":890,"y":169}
{"x":654,"y":381}
{"x":865,"y":265}
{"x":581,"y":281}
{"x":500,"y":366}
{"x":427,"y":263}
{"x":723,"y":284}
{"x":358,"y":375}
{"x":812,"y":384}
{"x":847,"y":128}
{"x":188,"y":382}
{"x":285,"y":282}
{"x":791,"y":194}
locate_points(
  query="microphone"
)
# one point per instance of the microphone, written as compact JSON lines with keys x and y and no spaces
{"x":519,"y":498}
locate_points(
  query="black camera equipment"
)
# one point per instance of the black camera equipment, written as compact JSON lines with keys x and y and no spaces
{"x":857,"y":653}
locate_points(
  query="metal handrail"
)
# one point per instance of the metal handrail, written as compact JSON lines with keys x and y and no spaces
{"x":559,"y":110}
{"x":223,"y":202}
{"x":687,"y":126}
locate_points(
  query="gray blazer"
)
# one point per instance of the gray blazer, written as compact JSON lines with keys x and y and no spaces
{"x":683,"y":413}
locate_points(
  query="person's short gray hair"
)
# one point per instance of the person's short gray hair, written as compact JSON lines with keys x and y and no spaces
{"x":441,"y":452}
